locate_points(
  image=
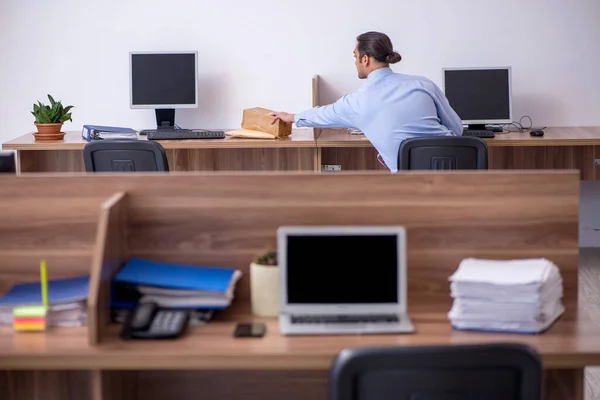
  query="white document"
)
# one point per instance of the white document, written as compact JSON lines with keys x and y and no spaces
{"x":506,"y":295}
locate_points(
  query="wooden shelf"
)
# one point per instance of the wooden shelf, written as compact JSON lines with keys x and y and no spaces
{"x":567,"y":344}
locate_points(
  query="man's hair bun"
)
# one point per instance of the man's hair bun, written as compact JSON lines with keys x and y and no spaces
{"x":393,"y":58}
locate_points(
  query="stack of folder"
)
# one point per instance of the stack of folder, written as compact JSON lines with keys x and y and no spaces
{"x":100,"y":132}
{"x":66,"y":302}
{"x":521,"y":296}
{"x":174,"y":285}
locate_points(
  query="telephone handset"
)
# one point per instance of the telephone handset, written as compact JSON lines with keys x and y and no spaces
{"x":149,"y":321}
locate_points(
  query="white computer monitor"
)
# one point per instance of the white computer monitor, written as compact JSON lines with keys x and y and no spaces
{"x":480,"y":96}
{"x":163,"y":81}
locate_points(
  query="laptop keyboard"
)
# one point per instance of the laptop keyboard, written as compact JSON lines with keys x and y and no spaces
{"x":344,"y":319}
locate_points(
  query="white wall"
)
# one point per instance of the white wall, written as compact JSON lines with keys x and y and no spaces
{"x":264,"y":53}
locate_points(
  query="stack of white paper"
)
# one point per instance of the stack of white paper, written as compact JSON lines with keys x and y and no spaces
{"x":513,"y":295}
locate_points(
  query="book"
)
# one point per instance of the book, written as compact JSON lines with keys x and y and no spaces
{"x":101,"y":132}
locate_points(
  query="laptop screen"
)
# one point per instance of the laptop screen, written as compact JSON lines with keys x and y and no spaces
{"x":343,"y":269}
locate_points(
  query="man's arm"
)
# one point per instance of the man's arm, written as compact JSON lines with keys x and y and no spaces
{"x":336,"y":115}
{"x":448,"y":117}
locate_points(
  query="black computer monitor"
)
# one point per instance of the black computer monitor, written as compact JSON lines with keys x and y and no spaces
{"x":8,"y":163}
{"x":164,"y":81}
{"x":480,"y":96}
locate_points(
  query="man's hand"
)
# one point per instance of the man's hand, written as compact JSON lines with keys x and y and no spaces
{"x":285,"y":117}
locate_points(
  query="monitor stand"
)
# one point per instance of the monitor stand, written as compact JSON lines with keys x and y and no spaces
{"x":165,"y":118}
{"x":476,"y":127}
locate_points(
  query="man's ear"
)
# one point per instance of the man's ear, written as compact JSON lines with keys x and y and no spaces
{"x":366,"y":60}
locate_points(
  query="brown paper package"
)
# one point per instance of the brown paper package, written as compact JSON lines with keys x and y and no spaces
{"x":258,"y":119}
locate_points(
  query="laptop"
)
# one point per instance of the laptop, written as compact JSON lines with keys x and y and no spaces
{"x":342,"y":280}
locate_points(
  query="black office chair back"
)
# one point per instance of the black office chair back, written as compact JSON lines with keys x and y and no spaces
{"x":8,"y":164}
{"x":461,"y":372}
{"x":443,"y":153}
{"x":124,"y":156}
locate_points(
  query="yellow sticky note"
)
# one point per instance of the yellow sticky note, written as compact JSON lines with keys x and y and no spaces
{"x":30,"y":326}
{"x":30,"y":311}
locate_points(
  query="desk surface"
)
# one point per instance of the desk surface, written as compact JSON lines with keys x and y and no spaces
{"x":74,"y":141}
{"x":567,"y":344}
{"x":571,"y":136}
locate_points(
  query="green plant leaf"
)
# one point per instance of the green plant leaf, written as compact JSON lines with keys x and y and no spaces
{"x":45,"y":116}
{"x":51,"y":114}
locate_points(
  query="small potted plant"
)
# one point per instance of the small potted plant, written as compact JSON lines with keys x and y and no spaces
{"x":264,"y":285}
{"x":49,"y":119}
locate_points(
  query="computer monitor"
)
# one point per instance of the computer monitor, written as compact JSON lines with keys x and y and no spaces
{"x":8,"y":163}
{"x":480,"y":96}
{"x":164,"y":81}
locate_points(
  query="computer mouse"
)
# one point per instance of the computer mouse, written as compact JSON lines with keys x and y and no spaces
{"x":537,"y":132}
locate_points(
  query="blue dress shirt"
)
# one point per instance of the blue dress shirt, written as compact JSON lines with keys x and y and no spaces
{"x":389,"y":108}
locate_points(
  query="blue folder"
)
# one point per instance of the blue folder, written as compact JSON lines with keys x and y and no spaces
{"x":59,"y":291}
{"x":175,"y":276}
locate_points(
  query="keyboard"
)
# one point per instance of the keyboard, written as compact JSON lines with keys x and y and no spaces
{"x":182,"y":134}
{"x":344,"y":319}
{"x":479,"y":133}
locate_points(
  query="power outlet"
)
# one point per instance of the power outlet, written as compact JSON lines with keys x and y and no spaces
{"x":331,"y":168}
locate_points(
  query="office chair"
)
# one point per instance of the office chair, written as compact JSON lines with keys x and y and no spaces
{"x":8,"y":163}
{"x":460,"y":372}
{"x":124,"y":156}
{"x":443,"y":153}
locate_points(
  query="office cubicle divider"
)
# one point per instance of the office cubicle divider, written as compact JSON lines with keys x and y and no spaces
{"x":93,"y":224}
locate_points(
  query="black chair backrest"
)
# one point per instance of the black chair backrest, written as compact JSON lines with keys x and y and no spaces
{"x":443,"y":153}
{"x":124,"y":156}
{"x":461,"y":372}
{"x":8,"y":164}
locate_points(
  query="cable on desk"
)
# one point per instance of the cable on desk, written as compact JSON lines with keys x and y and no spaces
{"x":517,"y":126}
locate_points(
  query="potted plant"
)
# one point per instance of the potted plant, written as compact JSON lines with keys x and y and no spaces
{"x":264,"y":285}
{"x":49,"y":119}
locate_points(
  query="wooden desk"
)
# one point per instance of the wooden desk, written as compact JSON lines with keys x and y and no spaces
{"x":212,"y":347}
{"x":296,"y":153}
{"x":559,"y":148}
{"x":94,"y":223}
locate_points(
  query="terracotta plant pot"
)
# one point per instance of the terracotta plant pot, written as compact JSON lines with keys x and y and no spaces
{"x":49,"y":132}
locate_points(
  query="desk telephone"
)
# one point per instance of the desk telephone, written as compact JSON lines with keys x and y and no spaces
{"x":149,"y":321}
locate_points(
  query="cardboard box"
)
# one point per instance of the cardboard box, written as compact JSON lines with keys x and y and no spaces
{"x":258,"y":119}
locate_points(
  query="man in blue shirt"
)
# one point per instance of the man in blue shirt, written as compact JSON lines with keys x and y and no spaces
{"x":389,"y":108}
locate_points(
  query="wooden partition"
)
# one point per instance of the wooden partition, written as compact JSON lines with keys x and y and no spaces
{"x":110,"y":254}
{"x":225,"y":220}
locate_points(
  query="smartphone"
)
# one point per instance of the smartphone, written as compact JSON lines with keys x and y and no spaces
{"x":253,"y":330}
